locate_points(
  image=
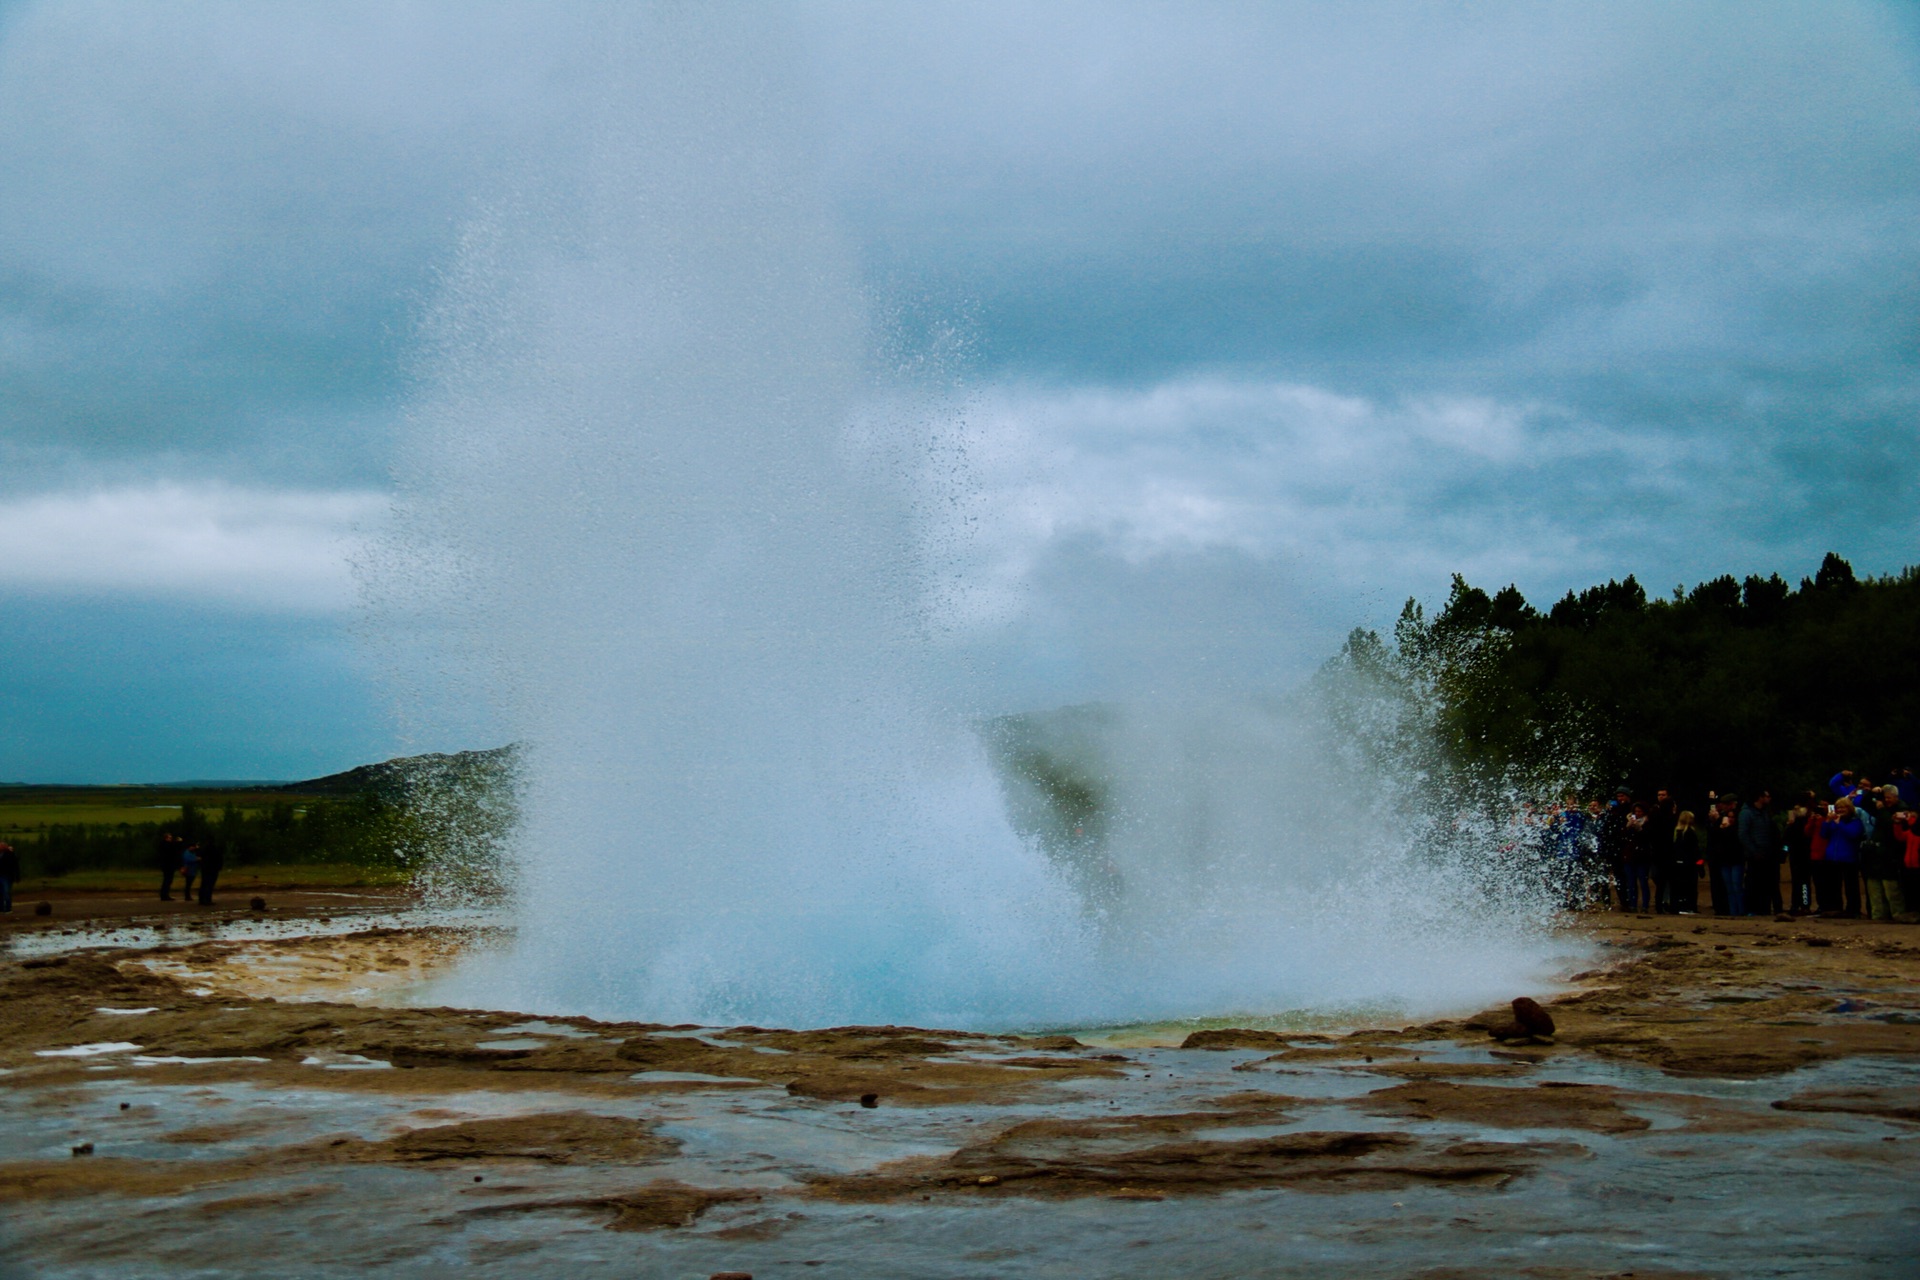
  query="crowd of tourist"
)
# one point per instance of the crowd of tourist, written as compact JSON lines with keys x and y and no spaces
{"x":1852,"y":852}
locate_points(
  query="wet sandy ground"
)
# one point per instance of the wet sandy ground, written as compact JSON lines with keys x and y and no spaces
{"x":245,"y":1099}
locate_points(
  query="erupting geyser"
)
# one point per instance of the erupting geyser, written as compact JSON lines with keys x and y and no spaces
{"x":694,"y":589}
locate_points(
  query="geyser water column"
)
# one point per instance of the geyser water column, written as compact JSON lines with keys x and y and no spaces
{"x":692,"y":590}
{"x":640,"y":506}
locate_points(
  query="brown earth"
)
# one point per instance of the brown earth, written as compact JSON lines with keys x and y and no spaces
{"x":1688,"y":997}
{"x":73,"y":908}
{"x":1129,"y":1156}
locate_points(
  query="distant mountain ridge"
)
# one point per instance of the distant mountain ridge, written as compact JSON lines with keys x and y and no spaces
{"x":393,"y":777}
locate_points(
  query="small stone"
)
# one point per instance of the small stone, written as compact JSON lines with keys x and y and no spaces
{"x":987,"y":1180}
{"x":84,"y":1149}
{"x":125,"y":1106}
{"x":478,"y":1178}
{"x":43,"y":908}
{"x":869,"y":1099}
{"x":256,"y":904}
{"x":731,"y":1275}
{"x":1818,"y":942}
{"x":1528,"y":1013}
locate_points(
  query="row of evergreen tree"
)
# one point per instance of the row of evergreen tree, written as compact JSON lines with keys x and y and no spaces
{"x":1732,"y":685}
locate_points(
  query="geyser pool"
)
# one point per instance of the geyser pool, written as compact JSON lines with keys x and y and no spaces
{"x":696,"y":593}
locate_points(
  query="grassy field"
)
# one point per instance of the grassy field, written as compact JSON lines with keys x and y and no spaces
{"x":18,"y":819}
{"x":105,"y":836}
{"x":290,"y":875}
{"x":369,"y":826}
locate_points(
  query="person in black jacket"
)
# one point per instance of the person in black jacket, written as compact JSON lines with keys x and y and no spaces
{"x":1661,"y":817}
{"x":1636,"y":856}
{"x":1684,"y":873}
{"x":9,"y":872}
{"x":213,"y":856}
{"x":1726,"y":860}
{"x":167,"y":858}
{"x":1881,"y":857}
{"x":1760,"y":849}
{"x":1612,"y":846}
{"x":1799,"y":846}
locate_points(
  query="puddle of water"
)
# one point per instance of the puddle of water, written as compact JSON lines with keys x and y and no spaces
{"x":89,"y":1050}
{"x":539,"y":1028}
{"x":241,"y":929}
{"x":333,"y":1061}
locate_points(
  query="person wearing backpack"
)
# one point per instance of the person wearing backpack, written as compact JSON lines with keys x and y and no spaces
{"x":1881,"y":856}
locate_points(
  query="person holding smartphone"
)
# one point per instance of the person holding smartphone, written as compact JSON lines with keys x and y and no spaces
{"x":1844,"y":832}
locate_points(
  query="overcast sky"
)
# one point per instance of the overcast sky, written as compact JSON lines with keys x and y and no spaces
{"x":1264,"y":317}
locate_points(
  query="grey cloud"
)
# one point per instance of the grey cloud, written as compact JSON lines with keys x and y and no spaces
{"x":1680,"y":242}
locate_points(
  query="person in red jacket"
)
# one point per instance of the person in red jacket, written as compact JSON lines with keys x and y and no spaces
{"x":1906,"y":843}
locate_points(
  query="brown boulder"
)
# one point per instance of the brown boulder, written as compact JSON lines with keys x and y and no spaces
{"x":1535,"y":1020}
{"x":1236,"y":1038}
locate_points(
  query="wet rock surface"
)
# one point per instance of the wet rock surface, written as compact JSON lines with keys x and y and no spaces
{"x":268,"y":1088}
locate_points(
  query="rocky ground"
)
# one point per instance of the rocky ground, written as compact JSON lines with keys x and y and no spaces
{"x":1716,"y":1098}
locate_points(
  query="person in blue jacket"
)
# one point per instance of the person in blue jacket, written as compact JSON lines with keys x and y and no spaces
{"x":1844,"y":832}
{"x":1563,"y":835}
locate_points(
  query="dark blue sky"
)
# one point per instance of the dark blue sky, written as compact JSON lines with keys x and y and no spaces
{"x":1262,"y":317}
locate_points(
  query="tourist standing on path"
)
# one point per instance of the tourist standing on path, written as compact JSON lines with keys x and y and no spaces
{"x":1636,"y":886}
{"x":9,"y":872}
{"x":1684,"y":863}
{"x":1906,"y":841}
{"x":1593,"y":868}
{"x":1726,"y":860}
{"x":189,"y":868}
{"x":1844,"y":832}
{"x":1881,"y":854}
{"x":213,"y":856}
{"x":1798,"y":838}
{"x":1566,"y":831}
{"x":1661,"y":817}
{"x":167,"y":858}
{"x":1612,"y":840}
{"x":1760,"y":849}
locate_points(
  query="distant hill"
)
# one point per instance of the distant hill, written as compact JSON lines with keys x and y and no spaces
{"x":390,"y":778}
